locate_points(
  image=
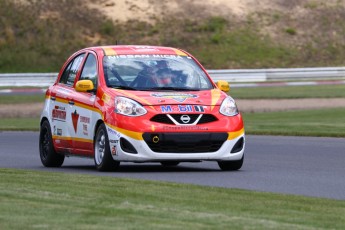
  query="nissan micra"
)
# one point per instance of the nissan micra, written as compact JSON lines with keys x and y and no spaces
{"x":139,"y":104}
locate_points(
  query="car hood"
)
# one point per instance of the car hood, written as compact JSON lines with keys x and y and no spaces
{"x":151,"y":98}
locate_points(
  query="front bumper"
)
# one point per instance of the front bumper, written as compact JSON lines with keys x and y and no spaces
{"x":176,"y":146}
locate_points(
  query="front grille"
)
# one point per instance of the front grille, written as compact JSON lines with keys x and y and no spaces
{"x":207,"y":118}
{"x":177,"y":118}
{"x":165,"y":119}
{"x":185,"y":143}
{"x":162,"y":118}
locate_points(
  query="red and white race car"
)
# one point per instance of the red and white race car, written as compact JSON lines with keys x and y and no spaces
{"x":139,"y":104}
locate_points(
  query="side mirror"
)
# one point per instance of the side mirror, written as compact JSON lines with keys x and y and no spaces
{"x":84,"y":86}
{"x":223,"y":86}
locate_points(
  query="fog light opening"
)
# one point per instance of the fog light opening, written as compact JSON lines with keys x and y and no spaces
{"x":127,"y":146}
{"x":238,"y":146}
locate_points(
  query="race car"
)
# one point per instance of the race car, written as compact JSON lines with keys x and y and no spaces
{"x":139,"y":104}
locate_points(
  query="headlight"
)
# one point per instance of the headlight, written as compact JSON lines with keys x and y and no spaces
{"x":228,"y":107}
{"x":128,"y":107}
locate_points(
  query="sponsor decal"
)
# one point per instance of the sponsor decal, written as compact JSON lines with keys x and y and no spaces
{"x":113,"y":150}
{"x":85,"y":132}
{"x":199,"y":108}
{"x":144,"y":48}
{"x":59,"y":113}
{"x":182,"y":109}
{"x":85,"y":120}
{"x":113,"y":145}
{"x":171,"y":56}
{"x":75,"y":117}
{"x":59,"y":132}
{"x":184,"y":128}
{"x":113,"y":132}
{"x":180,"y":97}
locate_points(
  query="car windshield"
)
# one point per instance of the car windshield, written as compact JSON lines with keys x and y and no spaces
{"x":154,"y":72}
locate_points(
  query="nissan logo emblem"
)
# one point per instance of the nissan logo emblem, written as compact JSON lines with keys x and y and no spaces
{"x":185,"y":119}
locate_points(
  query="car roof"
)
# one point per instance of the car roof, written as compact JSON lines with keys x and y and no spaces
{"x":137,"y":50}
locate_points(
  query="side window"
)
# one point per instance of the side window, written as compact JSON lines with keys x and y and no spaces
{"x":70,"y":73}
{"x":89,"y":71}
{"x":65,"y":74}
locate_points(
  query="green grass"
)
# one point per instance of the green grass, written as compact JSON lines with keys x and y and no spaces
{"x":323,"y":122}
{"x":44,"y":200}
{"x":19,"y":124}
{"x":21,"y":99}
{"x":244,"y":48}
{"x":289,"y":92}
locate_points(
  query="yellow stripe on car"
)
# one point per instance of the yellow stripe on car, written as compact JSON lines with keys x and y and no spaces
{"x":109,"y":51}
{"x":82,"y":140}
{"x":72,"y":139}
{"x":215,"y":94}
{"x":65,"y":101}
{"x":132,"y":134}
{"x":234,"y":135}
{"x":62,"y":138}
{"x":179,"y":52}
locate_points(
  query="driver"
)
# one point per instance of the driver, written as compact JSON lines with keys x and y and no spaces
{"x":164,"y":77}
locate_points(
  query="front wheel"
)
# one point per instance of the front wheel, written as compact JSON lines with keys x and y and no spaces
{"x":49,"y":157}
{"x":231,"y":165}
{"x":103,"y":159}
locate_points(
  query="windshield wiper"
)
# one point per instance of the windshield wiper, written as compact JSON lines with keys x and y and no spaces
{"x":122,"y":87}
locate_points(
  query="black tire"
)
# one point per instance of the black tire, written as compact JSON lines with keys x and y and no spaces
{"x":49,"y":157}
{"x":231,"y":165}
{"x":170,"y":163}
{"x":103,"y":160}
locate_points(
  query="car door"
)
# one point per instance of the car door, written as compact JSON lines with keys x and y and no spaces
{"x":82,"y":112}
{"x":61,"y":100}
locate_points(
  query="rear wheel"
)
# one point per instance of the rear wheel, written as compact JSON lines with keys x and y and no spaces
{"x":170,"y":163}
{"x":231,"y":165}
{"x":103,"y":159}
{"x":49,"y":157}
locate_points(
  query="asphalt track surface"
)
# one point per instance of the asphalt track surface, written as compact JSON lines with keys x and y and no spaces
{"x":306,"y":166}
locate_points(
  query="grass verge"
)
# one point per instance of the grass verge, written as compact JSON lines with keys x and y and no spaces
{"x":31,"y":200}
{"x":289,"y":92}
{"x":323,"y":122}
{"x":18,"y":99}
{"x":19,"y":124}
